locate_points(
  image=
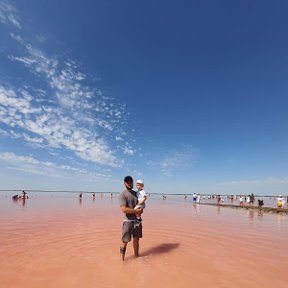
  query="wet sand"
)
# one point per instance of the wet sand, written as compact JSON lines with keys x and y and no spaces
{"x":59,"y":241}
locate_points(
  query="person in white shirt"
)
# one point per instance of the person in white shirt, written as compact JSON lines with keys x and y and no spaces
{"x":248,"y":199}
{"x":142,"y":197}
{"x":241,"y":200}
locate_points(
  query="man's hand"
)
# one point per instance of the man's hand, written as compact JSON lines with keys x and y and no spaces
{"x":138,"y":211}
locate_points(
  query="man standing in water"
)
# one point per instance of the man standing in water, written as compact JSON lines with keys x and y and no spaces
{"x":128,"y":200}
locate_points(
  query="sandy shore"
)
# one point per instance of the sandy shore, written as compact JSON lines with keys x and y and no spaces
{"x":60,"y":241}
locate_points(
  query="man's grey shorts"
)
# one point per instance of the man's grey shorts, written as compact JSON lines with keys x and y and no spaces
{"x":128,"y":230}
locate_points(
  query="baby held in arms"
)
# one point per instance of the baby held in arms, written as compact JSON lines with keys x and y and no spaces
{"x":141,"y":195}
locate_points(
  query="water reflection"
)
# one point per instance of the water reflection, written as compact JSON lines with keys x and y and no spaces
{"x":251,"y":215}
{"x":20,"y":200}
{"x":260,"y":214}
{"x":196,"y":209}
{"x":279,"y":219}
{"x":23,"y":201}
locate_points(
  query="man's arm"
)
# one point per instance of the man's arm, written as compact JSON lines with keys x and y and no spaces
{"x":128,"y":210}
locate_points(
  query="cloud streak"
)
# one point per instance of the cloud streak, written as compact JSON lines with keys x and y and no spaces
{"x":174,"y":161}
{"x":8,"y":15}
{"x":31,"y":165}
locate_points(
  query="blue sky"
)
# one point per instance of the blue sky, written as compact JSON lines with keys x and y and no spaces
{"x":190,"y":96}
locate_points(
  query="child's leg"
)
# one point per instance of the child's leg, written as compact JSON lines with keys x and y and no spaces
{"x":138,"y":216}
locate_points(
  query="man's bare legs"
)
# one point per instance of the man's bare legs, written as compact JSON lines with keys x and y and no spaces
{"x":124,"y":246}
{"x":123,"y":250}
{"x":136,"y":246}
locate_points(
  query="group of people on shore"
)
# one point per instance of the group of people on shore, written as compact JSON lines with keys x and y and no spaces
{"x":250,"y":199}
{"x":241,"y":199}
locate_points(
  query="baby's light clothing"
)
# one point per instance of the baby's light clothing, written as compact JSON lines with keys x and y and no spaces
{"x":140,"y":195}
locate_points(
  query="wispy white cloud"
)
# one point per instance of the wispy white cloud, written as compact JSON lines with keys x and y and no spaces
{"x":68,"y":115}
{"x":52,"y":127}
{"x":128,"y":150}
{"x":31,"y":165}
{"x":177,"y":160}
{"x":9,"y":15}
{"x":33,"y":140}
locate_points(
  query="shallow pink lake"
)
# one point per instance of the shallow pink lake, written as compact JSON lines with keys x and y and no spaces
{"x":55,"y":240}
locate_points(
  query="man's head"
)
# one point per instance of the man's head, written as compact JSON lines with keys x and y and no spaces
{"x":128,"y":182}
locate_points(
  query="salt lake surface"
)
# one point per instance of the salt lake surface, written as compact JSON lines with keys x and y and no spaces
{"x":57,"y":240}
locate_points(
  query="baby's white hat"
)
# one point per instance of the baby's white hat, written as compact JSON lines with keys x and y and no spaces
{"x":139,"y":181}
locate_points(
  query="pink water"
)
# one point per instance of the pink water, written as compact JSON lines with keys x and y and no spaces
{"x":55,"y":240}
